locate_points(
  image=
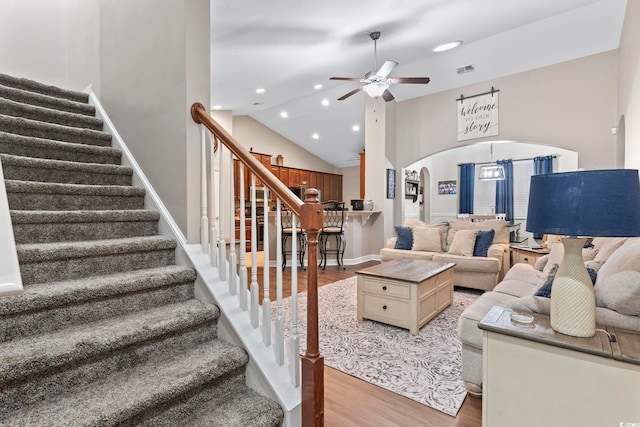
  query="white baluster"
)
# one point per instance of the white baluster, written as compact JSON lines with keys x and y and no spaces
{"x":294,"y":344}
{"x":204,"y":219}
{"x":243,"y":242}
{"x":278,"y":345}
{"x":233,"y":290}
{"x":213,"y":235}
{"x":222,"y":246}
{"x":266,"y":301}
{"x":255,"y":301}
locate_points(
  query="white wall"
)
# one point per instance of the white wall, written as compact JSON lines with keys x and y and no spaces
{"x":350,"y":183}
{"x":154,"y":64}
{"x":570,"y":105}
{"x":629,"y":83}
{"x":33,"y":40}
{"x":251,"y":133}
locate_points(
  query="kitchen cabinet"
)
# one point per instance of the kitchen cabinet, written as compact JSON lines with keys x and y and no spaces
{"x":329,"y":185}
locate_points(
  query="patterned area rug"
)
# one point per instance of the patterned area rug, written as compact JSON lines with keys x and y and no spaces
{"x":425,"y":367}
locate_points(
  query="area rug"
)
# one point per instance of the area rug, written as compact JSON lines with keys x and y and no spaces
{"x":425,"y":367}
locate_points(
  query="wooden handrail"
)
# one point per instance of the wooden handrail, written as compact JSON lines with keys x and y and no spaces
{"x":311,"y":216}
{"x":201,"y":116}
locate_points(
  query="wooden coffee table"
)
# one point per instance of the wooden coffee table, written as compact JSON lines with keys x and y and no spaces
{"x":405,"y":292}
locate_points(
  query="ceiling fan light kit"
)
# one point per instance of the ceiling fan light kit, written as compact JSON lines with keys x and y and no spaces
{"x":377,"y":82}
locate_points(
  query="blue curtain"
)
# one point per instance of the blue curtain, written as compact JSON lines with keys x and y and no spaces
{"x":504,"y":190}
{"x":542,"y":165}
{"x":465,"y":190}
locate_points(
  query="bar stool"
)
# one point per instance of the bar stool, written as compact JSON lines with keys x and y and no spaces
{"x":333,"y":226}
{"x":287,"y":231}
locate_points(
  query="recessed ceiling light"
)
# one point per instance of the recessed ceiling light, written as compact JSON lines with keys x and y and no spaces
{"x":260,"y":90}
{"x":325,"y":102}
{"x":284,"y":114}
{"x":317,"y":87}
{"x":447,"y":46}
{"x":356,"y":128}
{"x":315,"y":136}
{"x":217,"y":107}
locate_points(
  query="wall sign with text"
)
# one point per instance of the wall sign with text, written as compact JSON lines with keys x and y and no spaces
{"x":477,"y":116}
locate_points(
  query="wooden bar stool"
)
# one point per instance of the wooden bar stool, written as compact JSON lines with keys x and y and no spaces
{"x":333,"y":226}
{"x":287,"y":232}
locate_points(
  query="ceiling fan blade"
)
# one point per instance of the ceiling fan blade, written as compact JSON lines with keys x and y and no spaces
{"x":386,"y":68}
{"x":386,"y":95}
{"x":413,"y":80}
{"x":350,"y":79}
{"x":353,"y":92}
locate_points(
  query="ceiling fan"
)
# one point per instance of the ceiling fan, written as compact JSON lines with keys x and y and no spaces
{"x":377,"y":83}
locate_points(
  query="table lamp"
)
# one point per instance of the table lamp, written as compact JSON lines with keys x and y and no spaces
{"x":578,"y":205}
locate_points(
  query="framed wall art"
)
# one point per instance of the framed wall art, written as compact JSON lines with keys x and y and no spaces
{"x":391,"y":183}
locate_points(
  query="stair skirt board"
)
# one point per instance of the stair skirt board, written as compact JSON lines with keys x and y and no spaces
{"x":107,"y":329}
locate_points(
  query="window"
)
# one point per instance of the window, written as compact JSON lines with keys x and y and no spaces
{"x":484,"y":194}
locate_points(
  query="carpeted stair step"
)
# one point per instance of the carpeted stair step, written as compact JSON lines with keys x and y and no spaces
{"x":48,"y":307}
{"x":48,"y":115}
{"x":146,"y":392}
{"x":37,"y":87}
{"x":66,"y":226}
{"x":87,"y":355}
{"x":227,"y":402}
{"x":38,"y":129}
{"x":246,"y":407}
{"x":46,"y":101}
{"x":27,"y":195}
{"x":21,"y":168}
{"x":28,"y":146}
{"x":53,"y":262}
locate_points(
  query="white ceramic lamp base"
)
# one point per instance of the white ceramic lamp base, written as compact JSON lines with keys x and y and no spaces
{"x":573,"y":302}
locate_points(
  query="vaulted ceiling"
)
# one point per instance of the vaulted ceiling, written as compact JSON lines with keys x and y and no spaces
{"x":287,"y":47}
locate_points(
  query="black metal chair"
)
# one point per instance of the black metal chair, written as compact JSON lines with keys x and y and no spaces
{"x":287,"y":232}
{"x":333,"y":226}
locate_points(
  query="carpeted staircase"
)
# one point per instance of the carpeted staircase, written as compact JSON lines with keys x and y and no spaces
{"x":107,"y":331}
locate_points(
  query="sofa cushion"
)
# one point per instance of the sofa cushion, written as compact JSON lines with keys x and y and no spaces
{"x":468,"y":330}
{"x":626,"y":257}
{"x":526,"y":273}
{"x":426,"y":239}
{"x":621,"y":293}
{"x":405,"y":237}
{"x":499,"y":225}
{"x":516,"y":288}
{"x":472,"y":264}
{"x":484,"y":239}
{"x":388,"y":254}
{"x":463,"y":243}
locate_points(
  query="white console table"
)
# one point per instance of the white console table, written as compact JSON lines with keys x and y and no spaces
{"x":534,"y":376}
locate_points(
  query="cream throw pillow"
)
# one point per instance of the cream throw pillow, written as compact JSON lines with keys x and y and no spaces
{"x":426,"y":239}
{"x":463,"y":242}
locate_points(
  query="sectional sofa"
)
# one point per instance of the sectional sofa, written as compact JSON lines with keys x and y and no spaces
{"x":437,"y":242}
{"x":615,"y":264}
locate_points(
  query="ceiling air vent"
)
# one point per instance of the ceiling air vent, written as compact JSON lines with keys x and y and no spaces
{"x":465,"y":69}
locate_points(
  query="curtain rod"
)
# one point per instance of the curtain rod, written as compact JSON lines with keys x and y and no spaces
{"x":513,"y":160}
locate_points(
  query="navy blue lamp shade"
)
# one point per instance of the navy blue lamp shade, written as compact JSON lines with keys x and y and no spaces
{"x":595,"y":203}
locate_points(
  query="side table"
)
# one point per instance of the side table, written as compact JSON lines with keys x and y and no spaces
{"x":534,"y":376}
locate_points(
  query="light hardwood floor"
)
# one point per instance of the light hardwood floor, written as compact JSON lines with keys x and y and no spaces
{"x":349,"y":401}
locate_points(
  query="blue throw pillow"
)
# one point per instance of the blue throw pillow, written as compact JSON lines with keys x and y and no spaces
{"x":483,"y":241}
{"x":405,"y":238}
{"x":545,"y":290}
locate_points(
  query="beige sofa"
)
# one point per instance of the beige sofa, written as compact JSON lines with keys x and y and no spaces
{"x":476,"y":272}
{"x":617,"y":288}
